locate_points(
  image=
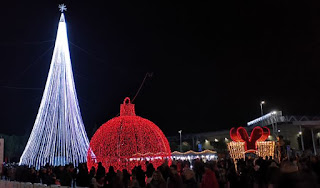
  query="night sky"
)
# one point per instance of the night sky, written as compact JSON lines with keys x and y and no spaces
{"x":211,"y":62}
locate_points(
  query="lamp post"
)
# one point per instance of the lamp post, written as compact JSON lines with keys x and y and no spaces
{"x":180,"y":140}
{"x":261,"y":103}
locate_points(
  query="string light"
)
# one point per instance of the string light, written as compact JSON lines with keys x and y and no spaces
{"x":265,"y":149}
{"x":58,"y":136}
{"x":236,"y":150}
{"x":127,"y":141}
{"x":190,"y":155}
{"x":258,"y":134}
{"x":191,"y":152}
{"x":256,"y":143}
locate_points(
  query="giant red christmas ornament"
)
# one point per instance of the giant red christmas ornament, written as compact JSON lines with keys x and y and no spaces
{"x":127,"y":141}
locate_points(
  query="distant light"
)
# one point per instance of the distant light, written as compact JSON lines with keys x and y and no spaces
{"x":226,"y":139}
{"x":216,"y":140}
{"x":278,"y":130}
{"x":206,"y":141}
{"x":265,"y":117}
{"x":262,"y":102}
{"x":300,"y":133}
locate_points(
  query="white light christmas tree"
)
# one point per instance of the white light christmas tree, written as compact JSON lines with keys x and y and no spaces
{"x":58,"y":136}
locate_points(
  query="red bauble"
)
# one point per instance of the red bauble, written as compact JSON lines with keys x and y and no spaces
{"x":127,"y":141}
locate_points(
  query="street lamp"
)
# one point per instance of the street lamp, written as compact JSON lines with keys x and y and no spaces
{"x":180,"y":140}
{"x":261,"y":103}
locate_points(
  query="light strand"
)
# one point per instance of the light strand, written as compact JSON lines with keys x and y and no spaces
{"x":128,"y":141}
{"x":58,"y":136}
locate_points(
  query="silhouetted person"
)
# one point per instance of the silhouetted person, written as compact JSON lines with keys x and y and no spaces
{"x":198,"y":169}
{"x":66,"y":177}
{"x":157,"y":181}
{"x":126,"y":178}
{"x":140,"y":176}
{"x":209,"y":179}
{"x":101,"y":171}
{"x":34,"y":178}
{"x":92,"y":172}
{"x":110,"y":178}
{"x":134,"y":182}
{"x":118,"y":183}
{"x":59,"y":172}
{"x":149,"y":172}
{"x":273,"y":174}
{"x":189,"y":180}
{"x":164,"y":169}
{"x":174,"y":180}
{"x":83,"y":178}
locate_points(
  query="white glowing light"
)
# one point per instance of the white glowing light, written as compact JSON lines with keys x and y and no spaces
{"x":58,"y":136}
{"x":62,"y":7}
{"x":265,"y":117}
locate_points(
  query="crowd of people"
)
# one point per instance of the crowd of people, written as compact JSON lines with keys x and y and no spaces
{"x":224,"y":173}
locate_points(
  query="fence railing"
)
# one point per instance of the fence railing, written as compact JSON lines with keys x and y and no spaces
{"x":15,"y":184}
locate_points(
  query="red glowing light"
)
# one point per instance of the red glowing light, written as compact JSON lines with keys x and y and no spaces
{"x":258,"y":134}
{"x":127,"y":141}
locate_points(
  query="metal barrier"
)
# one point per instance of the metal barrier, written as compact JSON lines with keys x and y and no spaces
{"x":15,"y":184}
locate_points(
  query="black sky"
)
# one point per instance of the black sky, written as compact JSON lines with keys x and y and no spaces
{"x":212,"y":62}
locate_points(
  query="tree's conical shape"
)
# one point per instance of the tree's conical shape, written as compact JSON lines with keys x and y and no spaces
{"x":58,"y":136}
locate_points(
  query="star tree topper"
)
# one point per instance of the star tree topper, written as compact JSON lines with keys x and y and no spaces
{"x":62,"y":7}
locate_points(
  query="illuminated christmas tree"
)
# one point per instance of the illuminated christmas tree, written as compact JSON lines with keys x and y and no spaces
{"x":58,"y":136}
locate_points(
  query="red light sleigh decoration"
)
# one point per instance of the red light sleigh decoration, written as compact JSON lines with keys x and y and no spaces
{"x":256,"y":143}
{"x":127,"y":141}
